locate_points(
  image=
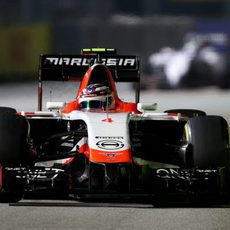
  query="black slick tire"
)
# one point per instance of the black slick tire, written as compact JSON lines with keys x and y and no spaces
{"x":13,"y":138}
{"x":208,"y":137}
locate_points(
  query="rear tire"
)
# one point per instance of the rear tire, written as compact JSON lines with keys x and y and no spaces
{"x":187,"y":112}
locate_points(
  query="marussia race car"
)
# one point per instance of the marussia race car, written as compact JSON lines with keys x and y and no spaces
{"x":98,"y":144}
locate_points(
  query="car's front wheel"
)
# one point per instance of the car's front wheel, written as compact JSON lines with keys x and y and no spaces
{"x":14,"y":152}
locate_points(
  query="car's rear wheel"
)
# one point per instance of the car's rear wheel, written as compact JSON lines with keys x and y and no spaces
{"x":187,"y":112}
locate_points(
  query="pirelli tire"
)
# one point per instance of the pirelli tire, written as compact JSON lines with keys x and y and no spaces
{"x":14,"y":148}
{"x":209,"y":142}
{"x":187,"y":112}
{"x":8,"y":110}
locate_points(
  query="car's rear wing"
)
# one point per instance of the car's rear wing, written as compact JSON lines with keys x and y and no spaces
{"x":73,"y":68}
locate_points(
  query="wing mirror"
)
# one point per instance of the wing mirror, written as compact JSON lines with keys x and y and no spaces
{"x":51,"y":105}
{"x":146,"y":107}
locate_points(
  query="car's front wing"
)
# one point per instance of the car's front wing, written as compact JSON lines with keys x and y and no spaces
{"x":156,"y":181}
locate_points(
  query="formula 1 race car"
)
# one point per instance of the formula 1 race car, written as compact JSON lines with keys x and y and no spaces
{"x":98,"y":144}
{"x":203,"y":60}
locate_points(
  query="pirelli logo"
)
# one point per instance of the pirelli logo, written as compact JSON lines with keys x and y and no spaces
{"x":83,"y":61}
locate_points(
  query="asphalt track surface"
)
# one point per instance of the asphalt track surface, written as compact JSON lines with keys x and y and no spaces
{"x":64,"y":214}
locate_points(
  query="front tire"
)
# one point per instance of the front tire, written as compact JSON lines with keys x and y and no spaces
{"x":7,"y":110}
{"x":14,"y":148}
{"x":14,"y":151}
{"x":208,"y":137}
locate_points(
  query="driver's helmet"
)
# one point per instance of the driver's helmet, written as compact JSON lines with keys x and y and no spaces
{"x":96,"y":97}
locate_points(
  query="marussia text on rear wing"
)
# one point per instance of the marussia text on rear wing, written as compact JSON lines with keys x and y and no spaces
{"x":73,"y":67}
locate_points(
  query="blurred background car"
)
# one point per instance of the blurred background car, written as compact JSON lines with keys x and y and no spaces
{"x":203,"y":60}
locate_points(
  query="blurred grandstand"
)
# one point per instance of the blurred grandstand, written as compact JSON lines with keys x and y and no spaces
{"x":30,"y":27}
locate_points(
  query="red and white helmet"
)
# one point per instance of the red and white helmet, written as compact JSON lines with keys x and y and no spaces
{"x":96,"y":97}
